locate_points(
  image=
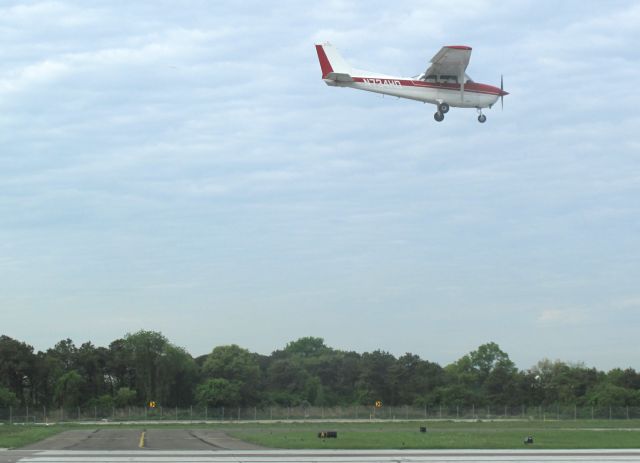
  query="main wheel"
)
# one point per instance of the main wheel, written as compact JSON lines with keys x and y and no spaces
{"x":443,"y":108}
{"x":438,"y":116}
{"x":482,"y":118}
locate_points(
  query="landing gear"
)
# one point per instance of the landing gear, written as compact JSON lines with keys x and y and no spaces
{"x":438,"y":116}
{"x":443,"y":108}
{"x":481,"y":117}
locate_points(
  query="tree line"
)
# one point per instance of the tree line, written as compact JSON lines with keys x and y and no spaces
{"x":144,"y":366}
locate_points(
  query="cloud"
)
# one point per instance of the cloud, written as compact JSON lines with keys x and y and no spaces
{"x":145,"y":145}
{"x":562,"y":316}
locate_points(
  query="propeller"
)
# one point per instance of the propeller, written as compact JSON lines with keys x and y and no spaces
{"x":501,"y":94}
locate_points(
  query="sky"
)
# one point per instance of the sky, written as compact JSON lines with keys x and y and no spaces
{"x":181,"y":167}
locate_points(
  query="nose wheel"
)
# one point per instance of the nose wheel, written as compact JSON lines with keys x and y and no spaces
{"x":481,"y":117}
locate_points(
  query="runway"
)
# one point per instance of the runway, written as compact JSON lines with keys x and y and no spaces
{"x":167,"y":445}
{"x":318,"y":456}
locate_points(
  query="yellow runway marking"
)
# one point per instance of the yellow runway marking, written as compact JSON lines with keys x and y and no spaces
{"x":141,"y":444}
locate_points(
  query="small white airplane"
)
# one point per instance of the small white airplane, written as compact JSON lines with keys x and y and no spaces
{"x":444,"y":84}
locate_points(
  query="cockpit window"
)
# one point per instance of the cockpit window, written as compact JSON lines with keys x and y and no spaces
{"x":449,"y":79}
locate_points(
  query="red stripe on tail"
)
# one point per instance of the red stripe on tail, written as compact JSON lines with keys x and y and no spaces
{"x":325,"y":65}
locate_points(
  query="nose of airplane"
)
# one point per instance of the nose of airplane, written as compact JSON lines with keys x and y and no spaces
{"x":502,"y":92}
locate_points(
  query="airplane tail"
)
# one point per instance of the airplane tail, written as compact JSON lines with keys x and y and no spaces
{"x":333,"y":66}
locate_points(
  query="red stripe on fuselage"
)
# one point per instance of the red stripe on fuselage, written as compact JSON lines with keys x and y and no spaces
{"x":325,"y":65}
{"x":468,"y":87}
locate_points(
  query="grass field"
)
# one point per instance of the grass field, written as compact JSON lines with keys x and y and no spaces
{"x":447,"y":435}
{"x":393,"y":435}
{"x":18,"y":436}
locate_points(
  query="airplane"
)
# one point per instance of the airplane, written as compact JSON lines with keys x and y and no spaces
{"x":444,"y":84}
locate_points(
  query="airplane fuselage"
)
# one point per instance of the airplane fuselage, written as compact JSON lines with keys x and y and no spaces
{"x":474,"y":95}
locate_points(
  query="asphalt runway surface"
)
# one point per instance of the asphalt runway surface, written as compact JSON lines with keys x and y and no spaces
{"x":137,"y":439}
{"x":318,"y":456}
{"x":204,"y":445}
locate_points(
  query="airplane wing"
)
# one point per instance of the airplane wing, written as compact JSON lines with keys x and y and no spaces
{"x":450,"y":61}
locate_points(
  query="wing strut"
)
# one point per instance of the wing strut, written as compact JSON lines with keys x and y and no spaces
{"x":461,"y":79}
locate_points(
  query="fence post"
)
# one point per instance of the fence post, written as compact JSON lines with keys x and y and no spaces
{"x":255,"y":413}
{"x":425,"y":412}
{"x":505,"y":411}
{"x":223,"y":413}
{"x":609,"y":411}
{"x":457,"y":411}
{"x":473,"y":410}
{"x":440,"y":411}
{"x":44,"y":413}
{"x":627,"y":412}
{"x":206,"y":412}
{"x":95,"y":413}
{"x":191,"y":412}
{"x":592,"y":412}
{"x":10,"y":415}
{"x":78,"y":413}
{"x":61,"y":414}
{"x":27,"y":417}
{"x":271,"y":413}
{"x":575,"y":412}
{"x":523,"y":412}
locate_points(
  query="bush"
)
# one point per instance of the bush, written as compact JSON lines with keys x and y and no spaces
{"x":7,"y":398}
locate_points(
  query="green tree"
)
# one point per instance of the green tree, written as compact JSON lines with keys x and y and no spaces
{"x":238,"y":366}
{"x":177,"y":373}
{"x":91,"y":363}
{"x":307,"y":347}
{"x":218,"y":392}
{"x":417,"y":379}
{"x":628,"y":378}
{"x":287,"y":381}
{"x":68,"y":389}
{"x":7,"y":398}
{"x":606,"y":394}
{"x":125,"y":397}
{"x":485,"y":375}
{"x":379,"y":378}
{"x":143,"y":351}
{"x":17,"y":362}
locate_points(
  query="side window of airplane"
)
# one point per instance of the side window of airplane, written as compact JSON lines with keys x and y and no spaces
{"x":431,"y":78}
{"x":449,"y":79}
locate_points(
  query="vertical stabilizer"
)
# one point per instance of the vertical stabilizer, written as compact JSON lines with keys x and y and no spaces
{"x":333,"y":66}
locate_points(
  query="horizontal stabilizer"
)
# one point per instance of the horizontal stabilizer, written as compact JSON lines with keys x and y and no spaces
{"x":339,"y":77}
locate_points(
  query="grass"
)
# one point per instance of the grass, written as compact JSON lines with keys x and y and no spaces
{"x":581,"y":434}
{"x":448,"y":435}
{"x":18,"y":436}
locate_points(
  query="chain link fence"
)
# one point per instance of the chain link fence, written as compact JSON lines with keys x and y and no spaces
{"x":40,"y":415}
